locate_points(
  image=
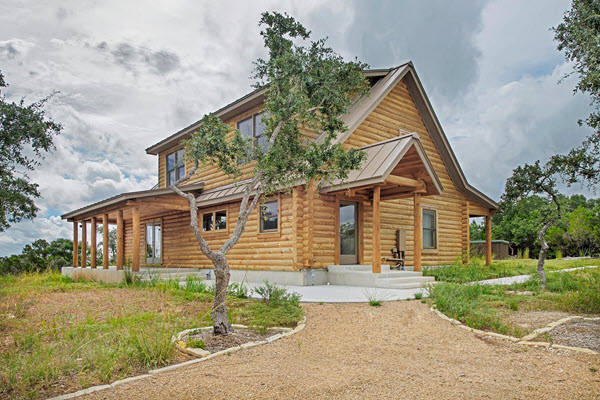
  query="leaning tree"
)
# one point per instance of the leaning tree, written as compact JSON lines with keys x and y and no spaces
{"x":541,"y":180}
{"x":307,"y":85}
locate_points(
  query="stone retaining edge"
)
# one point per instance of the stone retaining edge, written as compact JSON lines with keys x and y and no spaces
{"x":92,"y":389}
{"x":526,"y":340}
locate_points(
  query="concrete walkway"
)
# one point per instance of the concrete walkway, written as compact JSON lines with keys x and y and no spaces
{"x":346,"y":294}
{"x":511,"y":280}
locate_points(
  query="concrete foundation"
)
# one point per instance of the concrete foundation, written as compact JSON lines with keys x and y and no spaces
{"x":341,"y":275}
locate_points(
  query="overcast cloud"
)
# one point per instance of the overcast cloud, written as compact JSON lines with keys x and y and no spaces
{"x":132,"y":73}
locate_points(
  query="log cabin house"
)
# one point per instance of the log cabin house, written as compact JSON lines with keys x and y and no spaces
{"x":411,"y":192}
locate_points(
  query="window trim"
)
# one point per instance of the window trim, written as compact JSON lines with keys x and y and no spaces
{"x":153,"y":223}
{"x":175,"y":168}
{"x":260,"y":219}
{"x":213,"y":212}
{"x":435,"y":229}
{"x":253,"y":124}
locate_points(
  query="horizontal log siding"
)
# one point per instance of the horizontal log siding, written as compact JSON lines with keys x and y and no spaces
{"x":210,"y":174}
{"x":258,"y":251}
{"x":397,"y":111}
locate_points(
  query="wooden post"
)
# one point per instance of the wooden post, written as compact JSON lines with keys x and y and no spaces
{"x":75,"y":243}
{"x":135,"y":257}
{"x":105,"y":241}
{"x":309,"y":248}
{"x":467,"y":255}
{"x":83,"y":244}
{"x":488,"y":240}
{"x":120,"y":237}
{"x":93,"y":244}
{"x":376,"y":230}
{"x":418,"y":232}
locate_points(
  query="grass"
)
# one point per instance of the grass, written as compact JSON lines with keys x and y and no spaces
{"x":375,"y":296}
{"x":60,"y":336}
{"x":488,"y":307}
{"x":477,"y":271}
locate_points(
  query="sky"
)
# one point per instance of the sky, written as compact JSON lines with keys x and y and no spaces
{"x":131,"y":73}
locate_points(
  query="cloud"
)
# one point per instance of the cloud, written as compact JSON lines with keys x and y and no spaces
{"x":131,"y":57}
{"x":14,"y":48}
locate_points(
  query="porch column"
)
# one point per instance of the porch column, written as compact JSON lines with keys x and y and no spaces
{"x":376,"y":230}
{"x":418,"y":232}
{"x":75,"y":243}
{"x":93,"y":244}
{"x":488,"y":240}
{"x":135,"y":257}
{"x":105,"y":241}
{"x":120,"y":242}
{"x":83,"y":244}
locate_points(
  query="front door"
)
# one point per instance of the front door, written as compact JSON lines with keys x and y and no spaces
{"x":348,"y":232}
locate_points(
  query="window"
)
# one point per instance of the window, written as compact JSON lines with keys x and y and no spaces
{"x":254,"y":128}
{"x":153,"y":243}
{"x":269,"y":216}
{"x":214,"y":221}
{"x":175,"y":166}
{"x":429,"y":229}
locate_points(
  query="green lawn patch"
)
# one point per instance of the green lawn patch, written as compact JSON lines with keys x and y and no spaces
{"x":488,"y":307}
{"x":499,"y":269}
{"x":59,"y":336}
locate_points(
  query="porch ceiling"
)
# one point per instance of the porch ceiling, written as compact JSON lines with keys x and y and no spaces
{"x":399,"y":165}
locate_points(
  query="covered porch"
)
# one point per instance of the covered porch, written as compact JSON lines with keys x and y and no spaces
{"x":126,"y":211}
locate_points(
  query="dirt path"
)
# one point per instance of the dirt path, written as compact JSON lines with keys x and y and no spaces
{"x":354,"y":351}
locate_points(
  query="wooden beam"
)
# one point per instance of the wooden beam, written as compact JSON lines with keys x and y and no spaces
{"x":93,"y":244}
{"x":488,"y":240}
{"x":83,"y":244}
{"x":360,"y":232}
{"x":402,"y":181}
{"x":135,"y":257}
{"x":163,"y":204}
{"x":105,"y":241}
{"x":376,"y":230}
{"x":418,"y":231}
{"x":120,"y":240}
{"x":295,"y":217}
{"x":468,"y":233}
{"x":75,"y":243}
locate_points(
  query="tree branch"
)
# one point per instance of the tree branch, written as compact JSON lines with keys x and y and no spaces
{"x":193,"y":213}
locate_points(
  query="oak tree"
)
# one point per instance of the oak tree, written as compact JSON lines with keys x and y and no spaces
{"x":307,"y":85}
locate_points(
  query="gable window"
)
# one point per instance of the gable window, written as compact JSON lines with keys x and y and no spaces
{"x":269,"y":216}
{"x":175,"y":166}
{"x":429,"y":229}
{"x":214,"y":221}
{"x":153,"y":243}
{"x":254,"y":128}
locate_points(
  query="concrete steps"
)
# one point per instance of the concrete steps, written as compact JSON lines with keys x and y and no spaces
{"x":362,"y":275}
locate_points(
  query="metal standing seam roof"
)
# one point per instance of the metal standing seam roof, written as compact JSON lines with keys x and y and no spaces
{"x":381,"y":160}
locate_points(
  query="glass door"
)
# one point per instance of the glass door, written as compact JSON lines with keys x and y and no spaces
{"x":348,"y":228}
{"x":153,"y":243}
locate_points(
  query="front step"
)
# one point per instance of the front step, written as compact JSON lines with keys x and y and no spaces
{"x":361,"y":275}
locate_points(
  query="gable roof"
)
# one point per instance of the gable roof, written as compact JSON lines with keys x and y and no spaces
{"x":381,"y":160}
{"x":386,"y":81}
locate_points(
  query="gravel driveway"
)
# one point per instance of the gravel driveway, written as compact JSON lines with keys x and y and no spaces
{"x":398,"y":351}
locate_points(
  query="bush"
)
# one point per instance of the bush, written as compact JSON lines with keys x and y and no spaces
{"x":274,"y":295}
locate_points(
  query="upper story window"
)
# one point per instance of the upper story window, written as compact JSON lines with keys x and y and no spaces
{"x":429,"y":229}
{"x":254,"y":128}
{"x":175,"y":166}
{"x":269,"y":216}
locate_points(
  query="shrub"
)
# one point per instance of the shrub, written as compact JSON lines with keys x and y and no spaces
{"x":274,"y":295}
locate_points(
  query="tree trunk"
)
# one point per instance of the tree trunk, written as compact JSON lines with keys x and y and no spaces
{"x":218,"y":315}
{"x":543,"y":253}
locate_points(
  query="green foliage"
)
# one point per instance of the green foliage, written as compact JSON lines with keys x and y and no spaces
{"x":476,"y":231}
{"x":274,"y":295}
{"x":306,"y":86}
{"x":195,"y":344}
{"x":25,"y":136}
{"x":467,"y":303}
{"x":498,"y":269}
{"x":39,"y":256}
{"x":418,"y":295}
